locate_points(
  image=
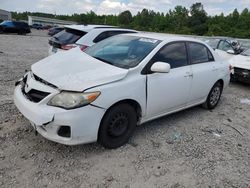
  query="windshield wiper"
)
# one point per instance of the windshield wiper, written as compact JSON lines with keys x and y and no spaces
{"x":104,"y":60}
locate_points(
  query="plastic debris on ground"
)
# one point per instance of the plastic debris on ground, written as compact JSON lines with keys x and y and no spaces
{"x":245,"y":101}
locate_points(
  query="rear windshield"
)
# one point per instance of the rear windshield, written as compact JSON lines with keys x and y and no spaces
{"x":69,"y":36}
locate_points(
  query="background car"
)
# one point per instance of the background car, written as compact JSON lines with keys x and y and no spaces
{"x":46,"y":27}
{"x":241,"y":67}
{"x":83,"y":36}
{"x":14,"y":27}
{"x":225,"y":47}
{"x":55,"y":30}
{"x":36,"y":26}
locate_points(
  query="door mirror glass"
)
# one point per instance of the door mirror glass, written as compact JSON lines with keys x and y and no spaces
{"x":230,"y":51}
{"x":160,"y":67}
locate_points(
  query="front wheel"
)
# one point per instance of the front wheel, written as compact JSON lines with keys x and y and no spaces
{"x":214,"y":96}
{"x":117,"y":126}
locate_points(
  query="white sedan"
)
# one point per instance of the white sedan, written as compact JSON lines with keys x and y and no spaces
{"x":241,"y":67}
{"x":103,"y":93}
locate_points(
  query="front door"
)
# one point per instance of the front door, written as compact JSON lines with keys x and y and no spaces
{"x":169,"y":91}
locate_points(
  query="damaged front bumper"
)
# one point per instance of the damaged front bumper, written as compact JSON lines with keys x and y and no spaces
{"x":82,"y":123}
{"x":240,"y":74}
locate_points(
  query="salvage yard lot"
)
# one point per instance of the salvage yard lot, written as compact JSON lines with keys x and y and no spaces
{"x":192,"y":148}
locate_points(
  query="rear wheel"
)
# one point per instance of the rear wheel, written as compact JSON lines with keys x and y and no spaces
{"x":213,"y":96}
{"x":21,"y":32}
{"x":1,"y":30}
{"x":117,"y":126}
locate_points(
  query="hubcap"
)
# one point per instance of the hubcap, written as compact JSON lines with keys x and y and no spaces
{"x":215,"y":95}
{"x":118,"y":125}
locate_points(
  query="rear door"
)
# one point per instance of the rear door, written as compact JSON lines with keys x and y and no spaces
{"x":169,"y":91}
{"x":204,"y":69}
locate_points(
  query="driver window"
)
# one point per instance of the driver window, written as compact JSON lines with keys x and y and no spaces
{"x":225,"y":46}
{"x":175,"y":54}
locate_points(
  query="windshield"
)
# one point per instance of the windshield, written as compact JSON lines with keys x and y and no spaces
{"x":212,"y":43}
{"x":122,"y":50}
{"x":246,"y":53}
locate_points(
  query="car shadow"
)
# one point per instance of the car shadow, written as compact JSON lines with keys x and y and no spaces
{"x":159,"y":124}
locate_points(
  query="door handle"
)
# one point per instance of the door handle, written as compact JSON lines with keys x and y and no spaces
{"x":188,"y":74}
{"x":215,"y":69}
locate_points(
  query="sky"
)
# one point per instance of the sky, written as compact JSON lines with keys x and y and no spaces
{"x":100,"y":7}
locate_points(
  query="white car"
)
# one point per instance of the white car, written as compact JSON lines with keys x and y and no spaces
{"x":83,"y":36}
{"x":116,"y":84}
{"x":241,"y":67}
{"x":226,"y":48}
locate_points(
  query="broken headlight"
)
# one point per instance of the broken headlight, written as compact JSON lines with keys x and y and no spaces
{"x":71,"y":100}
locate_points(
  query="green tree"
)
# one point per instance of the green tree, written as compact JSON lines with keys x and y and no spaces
{"x":125,"y":18}
{"x":198,"y":19}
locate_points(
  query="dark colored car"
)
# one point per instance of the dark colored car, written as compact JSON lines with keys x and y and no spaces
{"x":14,"y":27}
{"x":46,"y":27}
{"x":55,"y":30}
{"x":37,"y":26}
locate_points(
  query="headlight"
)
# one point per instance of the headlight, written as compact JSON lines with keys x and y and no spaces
{"x":70,"y":100}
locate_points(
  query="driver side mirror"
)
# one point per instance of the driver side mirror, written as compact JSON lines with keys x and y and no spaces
{"x":230,"y":51}
{"x":160,"y":67}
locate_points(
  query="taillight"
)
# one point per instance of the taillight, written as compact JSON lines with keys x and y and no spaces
{"x":68,"y":46}
{"x":83,"y":47}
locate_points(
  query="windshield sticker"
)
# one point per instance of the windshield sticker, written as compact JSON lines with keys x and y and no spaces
{"x":148,"y":40}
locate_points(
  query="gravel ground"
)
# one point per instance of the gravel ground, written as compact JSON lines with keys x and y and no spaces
{"x":192,"y":148}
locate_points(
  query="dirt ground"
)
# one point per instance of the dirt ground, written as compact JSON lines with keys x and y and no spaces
{"x":192,"y":148}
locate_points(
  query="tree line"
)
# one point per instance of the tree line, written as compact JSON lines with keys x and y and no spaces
{"x":180,"y":20}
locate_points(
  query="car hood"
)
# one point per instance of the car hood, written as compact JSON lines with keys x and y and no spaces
{"x":240,"y":61}
{"x":74,"y":70}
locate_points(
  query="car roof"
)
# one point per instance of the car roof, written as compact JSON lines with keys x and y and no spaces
{"x":87,"y":28}
{"x":164,"y":37}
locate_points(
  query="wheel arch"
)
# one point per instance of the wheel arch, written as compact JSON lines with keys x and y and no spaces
{"x":131,"y":102}
{"x":221,"y":82}
{"x":135,"y":104}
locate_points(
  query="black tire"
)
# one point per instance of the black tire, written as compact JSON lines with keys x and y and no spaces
{"x":213,"y":97}
{"x":232,"y":78}
{"x":21,"y":32}
{"x":117,"y":126}
{"x":1,"y":30}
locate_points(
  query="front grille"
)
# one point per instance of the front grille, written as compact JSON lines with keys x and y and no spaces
{"x":240,"y":71}
{"x":242,"y":75}
{"x":35,"y":95}
{"x":43,"y":81}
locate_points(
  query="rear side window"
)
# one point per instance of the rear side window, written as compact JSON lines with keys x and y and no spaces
{"x":199,"y":53}
{"x":107,"y":34}
{"x":69,"y":36}
{"x":175,"y":54}
{"x":21,"y":24}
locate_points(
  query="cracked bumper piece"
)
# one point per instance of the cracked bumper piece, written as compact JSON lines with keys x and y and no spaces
{"x":82,"y":123}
